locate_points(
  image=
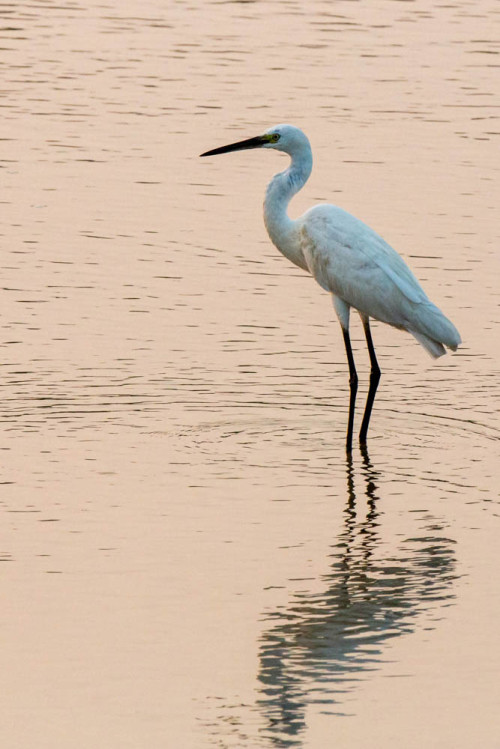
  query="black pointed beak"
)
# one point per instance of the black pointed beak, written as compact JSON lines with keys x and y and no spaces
{"x":241,"y":145}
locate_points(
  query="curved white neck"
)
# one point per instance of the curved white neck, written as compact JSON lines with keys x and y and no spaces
{"x":283,"y":186}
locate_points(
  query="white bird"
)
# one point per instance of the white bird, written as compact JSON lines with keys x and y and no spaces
{"x":349,"y":260}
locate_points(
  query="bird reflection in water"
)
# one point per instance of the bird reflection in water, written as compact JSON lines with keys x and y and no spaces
{"x":321,"y":644}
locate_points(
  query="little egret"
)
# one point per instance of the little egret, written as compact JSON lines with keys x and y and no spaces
{"x":349,"y":260}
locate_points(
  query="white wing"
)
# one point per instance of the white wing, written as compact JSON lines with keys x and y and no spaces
{"x":353,"y":262}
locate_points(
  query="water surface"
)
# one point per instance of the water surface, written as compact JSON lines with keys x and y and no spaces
{"x":189,"y":558}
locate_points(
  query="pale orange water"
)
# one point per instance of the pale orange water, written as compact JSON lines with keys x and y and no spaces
{"x":189,"y":558}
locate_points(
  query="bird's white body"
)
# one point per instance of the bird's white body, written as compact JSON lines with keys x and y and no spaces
{"x":350,"y":260}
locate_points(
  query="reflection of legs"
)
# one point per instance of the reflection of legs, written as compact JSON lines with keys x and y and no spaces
{"x":374,"y":380}
{"x":353,"y":384}
{"x":370,"y":475}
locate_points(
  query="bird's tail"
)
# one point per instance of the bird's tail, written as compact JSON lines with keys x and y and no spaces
{"x":434,"y":348}
{"x":433,"y":330}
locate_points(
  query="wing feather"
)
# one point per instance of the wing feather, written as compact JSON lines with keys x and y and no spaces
{"x":350,"y":260}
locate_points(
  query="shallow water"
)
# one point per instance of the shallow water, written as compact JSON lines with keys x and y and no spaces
{"x":190,"y":559}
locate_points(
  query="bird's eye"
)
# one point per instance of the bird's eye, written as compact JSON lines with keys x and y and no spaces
{"x":274,"y":137}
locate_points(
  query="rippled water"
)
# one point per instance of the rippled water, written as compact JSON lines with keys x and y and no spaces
{"x":190,"y":559}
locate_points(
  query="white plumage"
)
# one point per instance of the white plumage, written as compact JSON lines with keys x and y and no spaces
{"x":347,"y":259}
{"x":354,"y":263}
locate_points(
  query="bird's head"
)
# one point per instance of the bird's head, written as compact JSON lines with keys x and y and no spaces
{"x":285,"y":138}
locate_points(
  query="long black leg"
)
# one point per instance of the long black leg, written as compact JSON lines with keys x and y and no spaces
{"x":353,"y":384}
{"x":374,"y":380}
